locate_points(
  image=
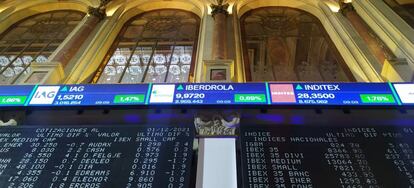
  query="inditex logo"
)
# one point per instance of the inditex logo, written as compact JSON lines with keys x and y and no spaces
{"x":45,"y":95}
{"x":282,"y":93}
{"x":162,"y":94}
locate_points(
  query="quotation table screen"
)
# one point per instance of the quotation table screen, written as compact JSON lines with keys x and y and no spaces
{"x":94,"y":157}
{"x":298,"y":156}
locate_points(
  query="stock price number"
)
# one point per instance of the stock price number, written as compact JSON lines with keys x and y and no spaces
{"x":316,"y":96}
{"x":69,"y":97}
{"x":190,"y":96}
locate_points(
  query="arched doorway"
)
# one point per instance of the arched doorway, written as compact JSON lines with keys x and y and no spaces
{"x":287,"y":44}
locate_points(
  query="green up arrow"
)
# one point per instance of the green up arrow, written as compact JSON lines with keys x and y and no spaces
{"x":298,"y":87}
{"x":180,"y":87}
{"x":64,"y":89}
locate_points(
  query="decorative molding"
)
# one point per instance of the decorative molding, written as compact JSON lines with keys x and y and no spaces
{"x":219,"y":9}
{"x":163,"y":24}
{"x":346,"y":8}
{"x":397,"y":70}
{"x":216,"y":124}
{"x":53,"y":73}
{"x":389,"y":27}
{"x":11,"y":122}
{"x":355,"y":57}
{"x":99,"y":11}
{"x":225,"y":66}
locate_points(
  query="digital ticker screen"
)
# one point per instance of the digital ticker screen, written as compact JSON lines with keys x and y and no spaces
{"x":303,"y":156}
{"x":295,"y":94}
{"x":275,"y":94}
{"x":230,"y":93}
{"x":14,"y":95}
{"x":333,"y":94}
{"x":88,"y":95}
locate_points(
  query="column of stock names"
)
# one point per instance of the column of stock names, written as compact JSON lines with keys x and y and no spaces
{"x":94,"y":157}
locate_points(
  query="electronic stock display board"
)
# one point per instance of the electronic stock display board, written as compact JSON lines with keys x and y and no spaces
{"x":209,"y":93}
{"x":96,"y":156}
{"x":333,"y":94}
{"x":14,"y":95}
{"x":303,"y":156}
{"x":88,"y":95}
{"x":339,"y":94}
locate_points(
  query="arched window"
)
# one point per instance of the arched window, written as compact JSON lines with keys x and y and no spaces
{"x":156,"y":46}
{"x":286,"y":44}
{"x":33,"y":40}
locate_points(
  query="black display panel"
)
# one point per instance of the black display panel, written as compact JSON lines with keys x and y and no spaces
{"x":95,"y":157}
{"x":298,"y":156}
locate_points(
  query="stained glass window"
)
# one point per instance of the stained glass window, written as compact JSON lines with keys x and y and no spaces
{"x":33,"y":40}
{"x":157,"y":46}
{"x":285,"y":44}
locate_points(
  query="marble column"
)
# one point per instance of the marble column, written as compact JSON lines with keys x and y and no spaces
{"x":219,"y":13}
{"x":72,"y":46}
{"x":374,"y":43}
{"x":216,"y":165}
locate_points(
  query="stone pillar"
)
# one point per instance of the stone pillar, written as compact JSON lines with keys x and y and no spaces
{"x":375,"y":45}
{"x":219,"y":13}
{"x":216,"y":165}
{"x":72,"y":46}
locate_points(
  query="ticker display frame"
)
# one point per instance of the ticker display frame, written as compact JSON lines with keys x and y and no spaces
{"x":260,"y":94}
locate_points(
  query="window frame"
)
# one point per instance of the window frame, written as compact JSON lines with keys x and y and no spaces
{"x":115,"y":45}
{"x":20,"y":54}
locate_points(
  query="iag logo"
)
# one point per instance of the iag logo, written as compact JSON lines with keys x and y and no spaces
{"x":45,"y":95}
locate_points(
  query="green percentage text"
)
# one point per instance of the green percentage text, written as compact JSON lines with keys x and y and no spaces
{"x":377,"y":98}
{"x":138,"y":98}
{"x":250,"y":98}
{"x":12,"y":100}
